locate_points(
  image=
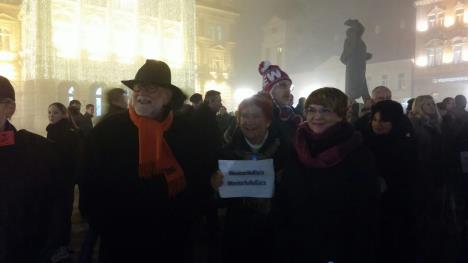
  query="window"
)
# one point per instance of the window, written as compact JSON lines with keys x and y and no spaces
{"x":432,"y":21}
{"x":440,"y":19}
{"x":459,"y":16}
{"x":71,"y":93}
{"x":279,"y":55}
{"x":384,"y":80}
{"x":430,"y":57}
{"x":402,"y":81}
{"x":274,"y":30}
{"x":99,"y":102}
{"x":5,"y":37}
{"x":457,"y":54}
{"x":377,"y":30}
{"x":439,"y":55}
{"x":215,"y":32}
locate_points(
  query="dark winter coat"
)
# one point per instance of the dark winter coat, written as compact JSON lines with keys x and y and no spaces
{"x":329,"y":214}
{"x":83,"y":124}
{"x":396,"y":160}
{"x":67,"y":143}
{"x":30,"y":189}
{"x":285,"y":128}
{"x":248,"y":221}
{"x":135,"y":218}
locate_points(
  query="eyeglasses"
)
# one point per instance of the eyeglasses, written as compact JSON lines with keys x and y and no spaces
{"x":151,"y":89}
{"x":312,"y":110}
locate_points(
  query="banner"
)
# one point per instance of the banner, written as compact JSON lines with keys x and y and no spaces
{"x":247,"y":178}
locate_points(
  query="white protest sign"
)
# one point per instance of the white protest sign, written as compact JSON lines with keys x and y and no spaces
{"x":464,"y":161}
{"x":247,"y":178}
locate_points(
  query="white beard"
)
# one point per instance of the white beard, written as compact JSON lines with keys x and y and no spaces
{"x":146,"y":107}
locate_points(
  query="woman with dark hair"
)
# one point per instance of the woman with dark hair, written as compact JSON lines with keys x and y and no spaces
{"x":248,"y":222}
{"x":64,"y":134}
{"x":390,"y":138}
{"x":327,"y":203}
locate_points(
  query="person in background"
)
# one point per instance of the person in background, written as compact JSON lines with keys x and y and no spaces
{"x":89,"y":114}
{"x":395,"y":151}
{"x":326,"y":208}
{"x":300,"y":106}
{"x":196,"y":100}
{"x":278,"y":85}
{"x":378,"y":94}
{"x":67,"y":143}
{"x":78,"y":119}
{"x":434,"y":200}
{"x":248,"y":221}
{"x":31,"y":191}
{"x":117,"y":102}
{"x":409,"y":106}
{"x":460,"y":109}
{"x":224,"y":119}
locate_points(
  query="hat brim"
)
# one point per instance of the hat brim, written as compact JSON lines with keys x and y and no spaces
{"x":178,"y":97}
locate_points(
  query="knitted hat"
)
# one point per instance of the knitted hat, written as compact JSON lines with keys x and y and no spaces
{"x":272,"y":74}
{"x":6,"y":89}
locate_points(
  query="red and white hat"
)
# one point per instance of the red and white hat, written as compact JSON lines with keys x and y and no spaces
{"x":272,"y":74}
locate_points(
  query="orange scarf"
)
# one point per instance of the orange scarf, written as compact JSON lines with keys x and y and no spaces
{"x":156,"y":157}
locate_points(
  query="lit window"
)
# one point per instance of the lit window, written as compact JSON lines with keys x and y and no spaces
{"x":384,"y":80}
{"x":71,"y":93}
{"x":430,"y":57}
{"x":99,"y":102}
{"x":439,"y":55}
{"x":457,"y":54}
{"x":5,"y":36}
{"x":440,"y":19}
{"x":402,"y":81}
{"x":459,"y":16}
{"x":432,"y":21}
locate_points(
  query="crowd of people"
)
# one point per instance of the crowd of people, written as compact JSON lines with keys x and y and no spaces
{"x":352,"y":183}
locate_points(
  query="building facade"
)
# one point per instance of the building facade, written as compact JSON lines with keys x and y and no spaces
{"x":441,"y":52}
{"x":274,"y":41}
{"x":77,"y":49}
{"x":214,"y":49}
{"x":396,"y":75}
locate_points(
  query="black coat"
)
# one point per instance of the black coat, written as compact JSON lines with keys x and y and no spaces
{"x":30,"y":189}
{"x":68,"y":144}
{"x":135,"y":218}
{"x":248,"y":221}
{"x":397,"y":163}
{"x":329,"y":214}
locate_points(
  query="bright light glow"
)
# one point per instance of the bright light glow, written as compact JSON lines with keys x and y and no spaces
{"x":242,"y":93}
{"x":7,"y":56}
{"x":173,"y":44}
{"x":7,"y":70}
{"x":465,"y":17}
{"x":211,"y":85}
{"x":449,"y":21}
{"x":422,"y":26}
{"x":65,"y":31}
{"x":421,"y":61}
{"x":447,"y":57}
{"x":123,"y":47}
{"x":95,"y":35}
{"x":465,"y":53}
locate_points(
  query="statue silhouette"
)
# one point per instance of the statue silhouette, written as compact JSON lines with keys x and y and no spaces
{"x":354,"y":56}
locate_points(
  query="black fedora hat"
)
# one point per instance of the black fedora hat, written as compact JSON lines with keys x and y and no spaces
{"x":157,"y":72}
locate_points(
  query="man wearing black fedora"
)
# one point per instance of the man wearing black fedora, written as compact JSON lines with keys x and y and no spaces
{"x":138,"y":184}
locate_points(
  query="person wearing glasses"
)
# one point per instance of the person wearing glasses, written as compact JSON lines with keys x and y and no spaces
{"x":138,"y":181}
{"x":31,"y":191}
{"x":327,"y":201}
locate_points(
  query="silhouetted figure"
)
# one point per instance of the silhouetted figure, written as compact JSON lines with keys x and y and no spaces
{"x":354,"y":56}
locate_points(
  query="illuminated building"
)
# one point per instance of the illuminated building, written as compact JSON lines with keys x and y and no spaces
{"x":441,"y":53}
{"x":77,"y":49}
{"x":215,"y":45}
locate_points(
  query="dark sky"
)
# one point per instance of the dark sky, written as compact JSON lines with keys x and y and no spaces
{"x":317,"y":31}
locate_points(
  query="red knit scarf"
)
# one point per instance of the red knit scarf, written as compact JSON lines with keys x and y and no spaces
{"x":328,"y":157}
{"x":155,"y":155}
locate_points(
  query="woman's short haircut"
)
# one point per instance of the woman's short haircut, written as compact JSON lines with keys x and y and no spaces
{"x":331,"y":98}
{"x":261,"y":100}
